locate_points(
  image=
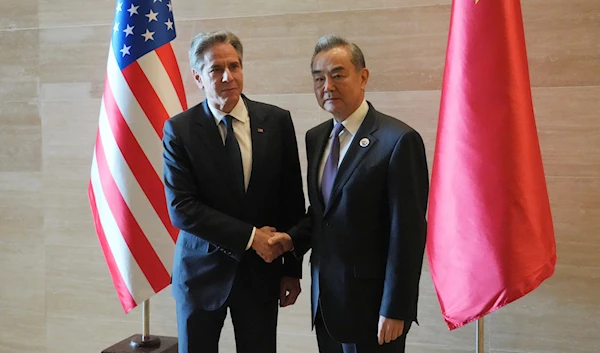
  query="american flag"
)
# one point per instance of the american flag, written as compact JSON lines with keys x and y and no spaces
{"x":143,"y":88}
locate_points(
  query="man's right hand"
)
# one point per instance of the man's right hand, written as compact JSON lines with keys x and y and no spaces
{"x":282,"y":239}
{"x":260,"y":244}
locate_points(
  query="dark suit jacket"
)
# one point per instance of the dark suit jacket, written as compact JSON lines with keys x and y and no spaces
{"x":215,"y":221}
{"x":368,"y":244}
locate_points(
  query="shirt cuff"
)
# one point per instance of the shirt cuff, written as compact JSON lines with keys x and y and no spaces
{"x":251,"y":238}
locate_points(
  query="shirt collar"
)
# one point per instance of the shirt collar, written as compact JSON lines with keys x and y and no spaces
{"x":353,"y":122}
{"x":239,"y":112}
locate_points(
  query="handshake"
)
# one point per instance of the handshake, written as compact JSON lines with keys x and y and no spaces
{"x":270,"y":244}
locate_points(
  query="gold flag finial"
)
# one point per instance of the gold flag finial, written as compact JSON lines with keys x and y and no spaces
{"x":476,"y":1}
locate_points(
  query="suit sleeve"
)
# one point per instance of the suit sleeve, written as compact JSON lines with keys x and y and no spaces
{"x":301,"y":233}
{"x":292,"y":207}
{"x":408,"y":189}
{"x":183,"y":202}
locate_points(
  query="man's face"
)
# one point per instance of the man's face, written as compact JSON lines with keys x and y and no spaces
{"x":339,"y":87}
{"x":221,"y":77}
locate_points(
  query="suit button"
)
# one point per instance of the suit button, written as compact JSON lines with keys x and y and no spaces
{"x":326,"y":224}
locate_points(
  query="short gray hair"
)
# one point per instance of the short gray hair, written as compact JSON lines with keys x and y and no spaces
{"x":203,"y":41}
{"x":330,"y":41}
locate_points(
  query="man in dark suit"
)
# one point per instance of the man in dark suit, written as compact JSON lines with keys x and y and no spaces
{"x":368,"y":189}
{"x":231,"y":169}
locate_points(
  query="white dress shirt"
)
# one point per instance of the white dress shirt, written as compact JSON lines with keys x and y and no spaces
{"x":351,"y":125}
{"x":242,"y":131}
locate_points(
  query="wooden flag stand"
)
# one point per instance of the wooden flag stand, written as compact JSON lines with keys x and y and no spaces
{"x":479,"y":337}
{"x":145,"y":342}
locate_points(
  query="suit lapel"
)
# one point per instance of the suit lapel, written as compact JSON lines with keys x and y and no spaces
{"x":354,"y":155}
{"x":259,"y":137}
{"x":209,"y":135}
{"x":321,"y":138}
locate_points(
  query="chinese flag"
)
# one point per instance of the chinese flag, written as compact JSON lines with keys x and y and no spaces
{"x":490,"y":238}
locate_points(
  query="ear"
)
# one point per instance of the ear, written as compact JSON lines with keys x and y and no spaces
{"x":364,"y":78}
{"x":197,"y":78}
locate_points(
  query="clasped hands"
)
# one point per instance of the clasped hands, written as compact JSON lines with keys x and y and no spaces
{"x":270,"y":244}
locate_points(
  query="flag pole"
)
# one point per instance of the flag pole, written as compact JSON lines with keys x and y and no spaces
{"x":146,"y":319}
{"x":145,"y":340}
{"x":479,"y":336}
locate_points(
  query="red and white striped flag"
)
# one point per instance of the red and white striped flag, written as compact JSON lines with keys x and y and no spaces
{"x":143,"y":88}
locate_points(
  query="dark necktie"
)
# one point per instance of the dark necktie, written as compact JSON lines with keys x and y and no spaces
{"x":235,"y":156}
{"x":331,"y":165}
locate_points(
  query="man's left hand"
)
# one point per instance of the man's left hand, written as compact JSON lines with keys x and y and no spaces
{"x":389,"y":329}
{"x":289,"y":291}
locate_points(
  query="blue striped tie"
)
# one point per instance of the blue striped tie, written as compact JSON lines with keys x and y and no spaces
{"x":235,"y":156}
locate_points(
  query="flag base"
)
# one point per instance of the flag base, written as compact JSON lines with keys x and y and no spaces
{"x":145,"y":342}
{"x":134,"y":344}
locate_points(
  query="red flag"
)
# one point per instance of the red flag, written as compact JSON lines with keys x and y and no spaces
{"x":491,"y":238}
{"x":143,"y":88}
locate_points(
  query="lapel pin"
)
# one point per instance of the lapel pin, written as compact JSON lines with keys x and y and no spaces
{"x":260,"y":130}
{"x":364,"y":142}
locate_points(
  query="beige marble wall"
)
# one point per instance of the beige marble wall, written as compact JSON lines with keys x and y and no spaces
{"x":55,"y":292}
